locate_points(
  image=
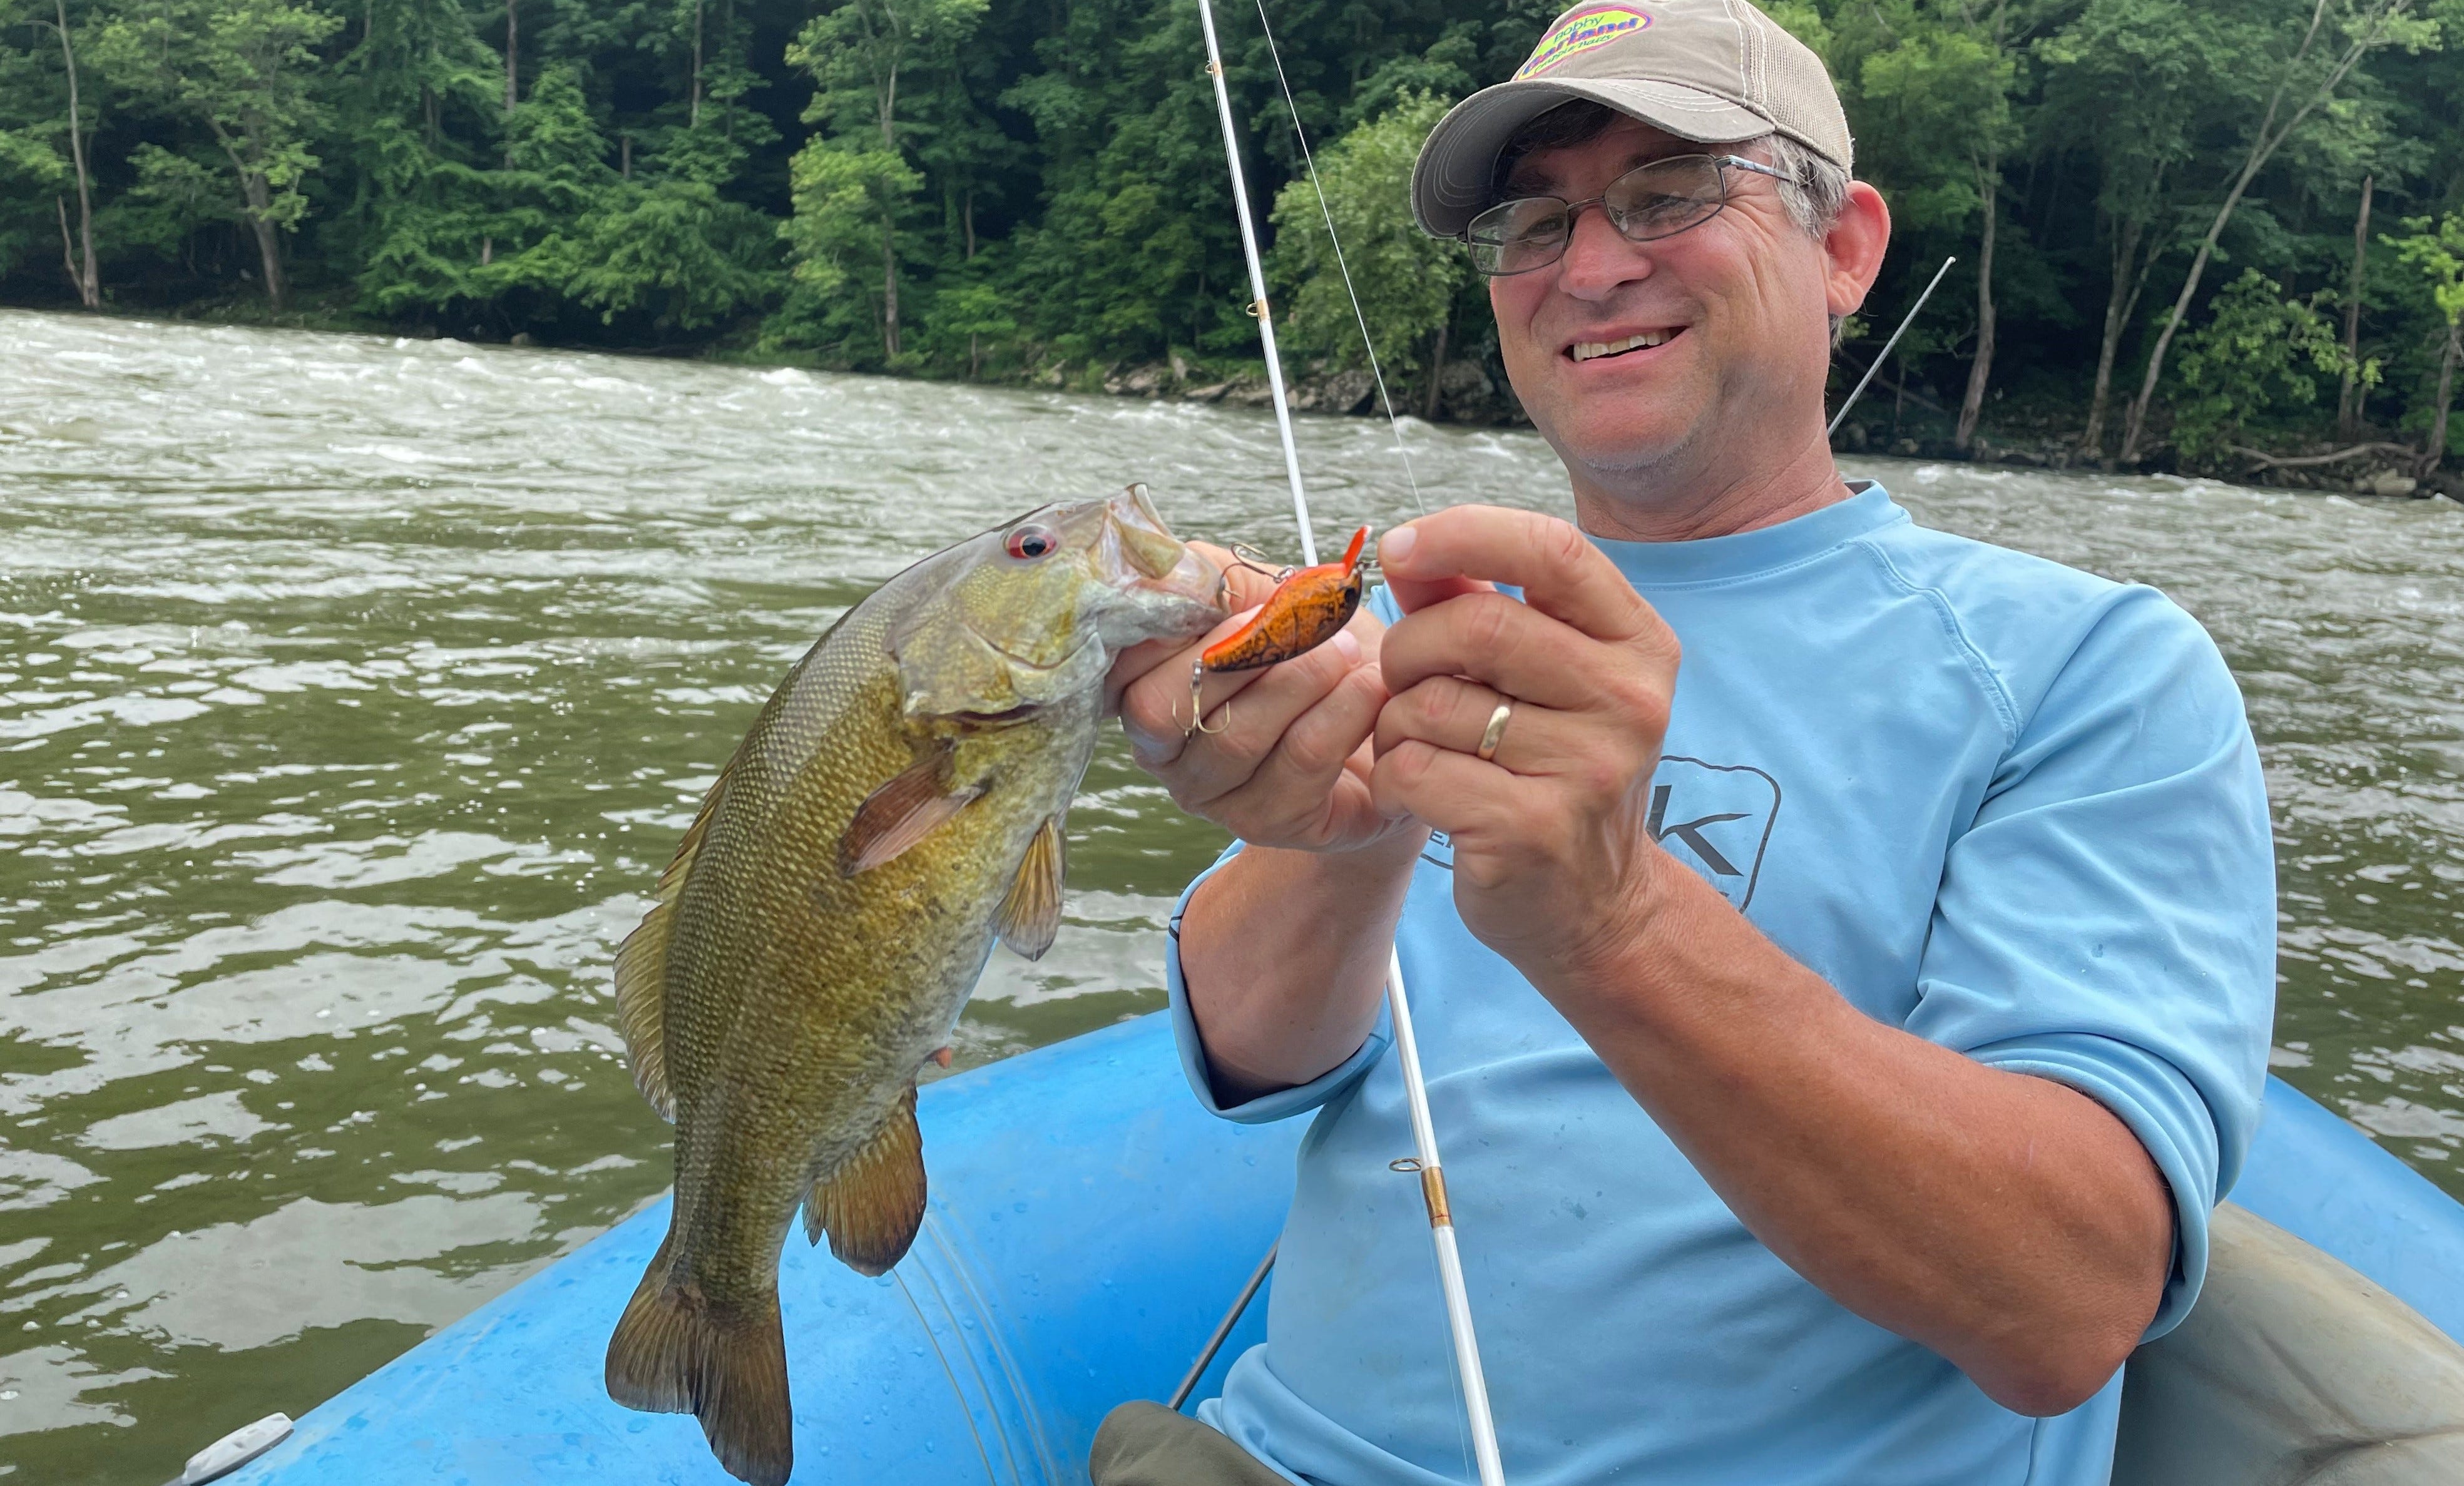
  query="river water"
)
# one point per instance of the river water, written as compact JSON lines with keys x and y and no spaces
{"x":353,"y":691}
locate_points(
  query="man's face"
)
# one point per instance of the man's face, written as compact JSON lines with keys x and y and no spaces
{"x":1738,"y":306}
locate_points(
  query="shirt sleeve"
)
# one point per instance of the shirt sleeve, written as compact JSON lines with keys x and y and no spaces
{"x":1266,"y":1108}
{"x":2108,"y":920}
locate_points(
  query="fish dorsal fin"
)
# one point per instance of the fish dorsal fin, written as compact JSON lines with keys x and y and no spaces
{"x":1030,"y":915}
{"x":641,"y":963}
{"x":872,"y":1205}
{"x":916,"y":801}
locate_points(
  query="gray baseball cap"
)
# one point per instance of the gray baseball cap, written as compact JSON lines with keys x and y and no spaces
{"x":1711,"y":71}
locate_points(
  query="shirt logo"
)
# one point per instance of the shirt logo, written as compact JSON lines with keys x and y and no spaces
{"x":1716,"y":819}
{"x":1594,"y":27}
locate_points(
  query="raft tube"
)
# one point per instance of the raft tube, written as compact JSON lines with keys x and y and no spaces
{"x":1087,"y":1227}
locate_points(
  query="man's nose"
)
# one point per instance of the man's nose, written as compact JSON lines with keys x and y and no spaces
{"x":1599,"y":259}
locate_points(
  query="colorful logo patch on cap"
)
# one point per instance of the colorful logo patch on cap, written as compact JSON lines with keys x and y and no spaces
{"x":1581,"y":32}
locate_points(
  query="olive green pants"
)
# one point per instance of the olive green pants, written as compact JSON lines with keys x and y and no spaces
{"x":1144,"y":1444}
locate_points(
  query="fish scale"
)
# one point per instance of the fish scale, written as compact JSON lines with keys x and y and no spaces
{"x":895,"y":807}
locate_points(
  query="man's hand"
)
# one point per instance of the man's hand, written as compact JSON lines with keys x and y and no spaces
{"x":1552,"y":856}
{"x":1287,"y":759}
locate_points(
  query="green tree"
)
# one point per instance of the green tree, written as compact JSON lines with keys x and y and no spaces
{"x":245,"y":71}
{"x":847,"y":203}
{"x":859,"y":52}
{"x":1948,"y":75}
{"x":2128,"y":82}
{"x":417,"y":115}
{"x":2260,"y":353}
{"x":2306,"y":76}
{"x":977,"y":311}
{"x":1408,"y":283}
{"x":2434,"y":250}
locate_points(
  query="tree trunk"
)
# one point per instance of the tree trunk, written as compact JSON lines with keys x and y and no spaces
{"x":693,"y":116}
{"x":888,"y":283}
{"x":2123,"y":298}
{"x":2438,"y":450}
{"x":513,"y":72}
{"x":89,"y":285}
{"x":625,"y":158}
{"x":1436,"y":370}
{"x":269,"y":240}
{"x":967,"y":216}
{"x":2348,"y":408}
{"x":1980,"y":369}
{"x":2265,"y":143}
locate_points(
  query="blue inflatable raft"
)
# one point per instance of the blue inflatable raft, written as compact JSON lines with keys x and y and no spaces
{"x":1089,"y":1226}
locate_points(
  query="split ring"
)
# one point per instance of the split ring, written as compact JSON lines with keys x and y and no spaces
{"x":1495,"y":733}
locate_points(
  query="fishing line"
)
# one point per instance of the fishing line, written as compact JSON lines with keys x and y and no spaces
{"x":1376,"y":374}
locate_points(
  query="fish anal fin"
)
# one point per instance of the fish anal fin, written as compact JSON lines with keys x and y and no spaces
{"x":872,"y":1205}
{"x":1031,"y":913}
{"x":676,"y":1351}
{"x":641,"y":963}
{"x":914,"y":804}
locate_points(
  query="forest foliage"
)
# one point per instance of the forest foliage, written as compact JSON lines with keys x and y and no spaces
{"x":2195,"y":231}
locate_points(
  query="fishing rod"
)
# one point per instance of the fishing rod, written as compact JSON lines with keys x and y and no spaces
{"x":1407,"y":1053}
{"x":1257,"y":307}
{"x":1860,"y":389}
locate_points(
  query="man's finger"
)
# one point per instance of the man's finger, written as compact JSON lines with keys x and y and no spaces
{"x":1157,"y":708}
{"x":1308,"y":761}
{"x":1492,"y":639}
{"x":1455,"y":714}
{"x":1560,"y":572}
{"x":1242,"y":730}
{"x":1450,"y":792}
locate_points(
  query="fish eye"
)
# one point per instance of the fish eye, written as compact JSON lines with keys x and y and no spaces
{"x":1031,"y":541}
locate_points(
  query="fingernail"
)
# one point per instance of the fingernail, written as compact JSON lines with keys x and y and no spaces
{"x":1347,"y":644}
{"x":1397,"y":545}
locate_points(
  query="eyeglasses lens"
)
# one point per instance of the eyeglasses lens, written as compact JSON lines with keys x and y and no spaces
{"x":1658,"y":199}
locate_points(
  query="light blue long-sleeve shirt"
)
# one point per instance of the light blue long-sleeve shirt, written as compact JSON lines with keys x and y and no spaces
{"x":2011,"y":807}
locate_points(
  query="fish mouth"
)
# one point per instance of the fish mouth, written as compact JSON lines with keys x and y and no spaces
{"x":1162,"y":562}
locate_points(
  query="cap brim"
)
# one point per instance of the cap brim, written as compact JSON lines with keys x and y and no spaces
{"x":1451,"y":180}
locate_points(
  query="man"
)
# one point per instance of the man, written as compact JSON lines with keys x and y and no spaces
{"x":1844,"y":962}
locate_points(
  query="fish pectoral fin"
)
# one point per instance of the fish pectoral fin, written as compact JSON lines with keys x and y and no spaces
{"x":1031,"y":913}
{"x":872,"y":1205}
{"x":913,"y":805}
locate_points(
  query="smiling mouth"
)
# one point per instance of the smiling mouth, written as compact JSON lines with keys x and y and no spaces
{"x":1593,"y":350}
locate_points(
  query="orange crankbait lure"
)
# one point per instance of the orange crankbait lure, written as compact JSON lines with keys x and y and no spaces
{"x":1308,"y":608}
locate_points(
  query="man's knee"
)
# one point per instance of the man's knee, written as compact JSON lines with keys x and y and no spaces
{"x":1144,"y":1444}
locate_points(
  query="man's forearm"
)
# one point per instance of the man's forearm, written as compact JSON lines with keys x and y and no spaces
{"x":1284,"y":954}
{"x":2012,"y":1224}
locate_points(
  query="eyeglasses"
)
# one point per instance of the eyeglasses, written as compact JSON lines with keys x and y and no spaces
{"x":1658,"y":199}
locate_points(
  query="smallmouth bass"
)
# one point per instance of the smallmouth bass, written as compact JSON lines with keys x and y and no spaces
{"x":895,"y":808}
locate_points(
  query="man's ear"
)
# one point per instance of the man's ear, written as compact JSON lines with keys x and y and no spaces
{"x":1854,"y":248}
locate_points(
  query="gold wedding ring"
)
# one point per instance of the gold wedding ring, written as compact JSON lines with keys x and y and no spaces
{"x":1495,"y":733}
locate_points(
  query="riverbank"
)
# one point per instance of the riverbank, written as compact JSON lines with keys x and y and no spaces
{"x":1473,"y":392}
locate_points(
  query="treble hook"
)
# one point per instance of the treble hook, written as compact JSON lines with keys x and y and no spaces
{"x":1197,"y":705}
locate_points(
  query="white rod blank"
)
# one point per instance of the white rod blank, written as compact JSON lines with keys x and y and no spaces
{"x":1442,"y":1231}
{"x":1257,"y":285}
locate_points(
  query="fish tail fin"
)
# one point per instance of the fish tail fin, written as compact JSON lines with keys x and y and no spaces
{"x":676,"y":1353}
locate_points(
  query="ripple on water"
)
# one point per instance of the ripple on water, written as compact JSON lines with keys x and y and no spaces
{"x":353,"y":691}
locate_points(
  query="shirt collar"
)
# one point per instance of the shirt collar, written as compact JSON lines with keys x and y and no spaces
{"x":1743,"y":554}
